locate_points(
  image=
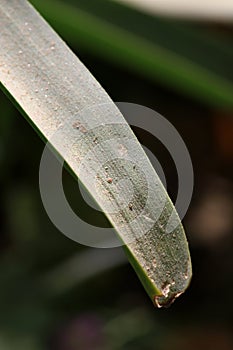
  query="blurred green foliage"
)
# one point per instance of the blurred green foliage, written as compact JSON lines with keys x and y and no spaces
{"x":180,"y":55}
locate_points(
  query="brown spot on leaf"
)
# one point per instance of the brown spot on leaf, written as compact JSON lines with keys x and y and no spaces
{"x":165,"y":301}
{"x":79,"y":126}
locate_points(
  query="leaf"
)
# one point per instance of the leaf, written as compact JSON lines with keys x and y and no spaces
{"x":53,"y":88}
{"x":178,"y":55}
{"x":211,"y":10}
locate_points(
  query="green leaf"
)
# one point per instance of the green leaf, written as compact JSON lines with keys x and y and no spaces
{"x":179,"y":55}
{"x":53,"y":88}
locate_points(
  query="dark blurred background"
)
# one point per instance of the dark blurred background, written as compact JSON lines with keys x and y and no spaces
{"x":58,"y":295}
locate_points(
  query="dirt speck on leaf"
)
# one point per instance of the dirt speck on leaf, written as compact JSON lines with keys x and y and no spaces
{"x":130,"y":206}
{"x":77,"y":125}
